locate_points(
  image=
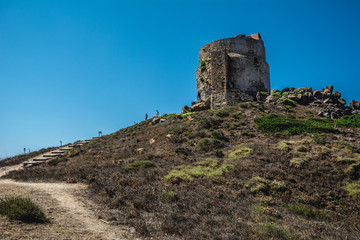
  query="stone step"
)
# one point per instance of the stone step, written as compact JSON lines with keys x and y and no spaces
{"x":41,"y":159}
{"x":51,"y":155}
{"x":58,"y":152}
{"x":66,"y":149}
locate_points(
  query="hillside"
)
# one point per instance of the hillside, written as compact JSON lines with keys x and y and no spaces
{"x":255,"y":170}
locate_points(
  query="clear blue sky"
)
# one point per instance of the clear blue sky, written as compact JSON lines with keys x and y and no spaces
{"x":70,"y":68}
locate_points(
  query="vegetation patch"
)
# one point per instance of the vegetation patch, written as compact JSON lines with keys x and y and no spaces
{"x":307,"y":211}
{"x":349,"y":146}
{"x":218,"y":153}
{"x":298,"y":162}
{"x":208,"y":168}
{"x":23,"y":209}
{"x":175,"y":129}
{"x":288,"y":124}
{"x":223,"y":112}
{"x":204,"y":123}
{"x":240,"y":152}
{"x":353,"y":189}
{"x":171,"y":116}
{"x":287,"y":101}
{"x":170,"y":196}
{"x":218,"y":134}
{"x":139,"y":165}
{"x":206,"y":144}
{"x":271,"y":231}
{"x":203,"y":63}
{"x":257,"y":184}
{"x":320,"y":139}
{"x":285,"y":145}
{"x":183,"y":150}
{"x":278,"y":186}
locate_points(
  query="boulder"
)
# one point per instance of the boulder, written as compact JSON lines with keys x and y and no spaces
{"x":270,"y":98}
{"x":292,"y":96}
{"x":274,"y":91}
{"x":199,"y":107}
{"x":285,"y":90}
{"x":336,"y":95}
{"x":355,"y":105}
{"x":341,"y":101}
{"x":185,"y":109}
{"x":292,"y":89}
{"x":327,"y":93}
{"x":305,"y":98}
{"x":155,"y":120}
{"x":330,"y":88}
{"x":318,"y":94}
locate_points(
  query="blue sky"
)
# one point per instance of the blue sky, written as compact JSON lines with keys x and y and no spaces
{"x":69,"y":69}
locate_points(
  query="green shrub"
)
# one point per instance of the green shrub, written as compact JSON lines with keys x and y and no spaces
{"x":204,"y":123}
{"x":223,"y":112}
{"x":353,"y":189}
{"x":23,"y":209}
{"x":307,"y":211}
{"x":206,"y":144}
{"x":288,"y":108}
{"x":350,"y":120}
{"x":349,"y":146}
{"x":240,"y":152}
{"x":170,"y":196}
{"x":320,"y":139}
{"x":272,"y":231}
{"x":218,"y":134}
{"x":218,"y":153}
{"x":175,"y":129}
{"x":285,"y":145}
{"x":276,"y":95}
{"x":139,"y":165}
{"x":287,"y":101}
{"x":277,"y":186}
{"x":185,"y":115}
{"x":248,"y":134}
{"x":183,"y":150}
{"x":257,"y":184}
{"x":171,"y":116}
{"x":225,"y":125}
{"x":298,"y":162}
{"x":237,"y":115}
{"x":274,"y":123}
{"x":205,"y":169}
{"x":264,"y":94}
{"x":285,"y":94}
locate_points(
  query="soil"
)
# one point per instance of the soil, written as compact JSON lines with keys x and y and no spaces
{"x":73,"y":216}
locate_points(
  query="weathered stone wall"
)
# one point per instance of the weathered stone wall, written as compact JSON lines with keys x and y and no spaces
{"x":232,"y":70}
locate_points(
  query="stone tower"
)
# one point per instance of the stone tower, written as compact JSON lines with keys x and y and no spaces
{"x":232,"y":70}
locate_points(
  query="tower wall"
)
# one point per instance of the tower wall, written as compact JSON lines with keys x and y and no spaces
{"x":232,"y":70}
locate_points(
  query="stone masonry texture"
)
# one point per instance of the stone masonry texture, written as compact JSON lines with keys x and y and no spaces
{"x":232,"y":70}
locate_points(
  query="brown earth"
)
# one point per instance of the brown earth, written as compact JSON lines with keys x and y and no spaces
{"x":225,"y":206}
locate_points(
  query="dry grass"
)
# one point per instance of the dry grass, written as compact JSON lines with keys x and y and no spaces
{"x":198,"y":195}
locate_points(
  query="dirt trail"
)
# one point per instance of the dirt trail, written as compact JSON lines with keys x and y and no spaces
{"x":73,"y":215}
{"x":68,"y":209}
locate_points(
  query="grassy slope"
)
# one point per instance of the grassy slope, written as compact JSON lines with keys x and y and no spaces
{"x":284,"y":187}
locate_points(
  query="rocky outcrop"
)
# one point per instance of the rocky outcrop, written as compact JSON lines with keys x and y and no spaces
{"x":328,"y":102}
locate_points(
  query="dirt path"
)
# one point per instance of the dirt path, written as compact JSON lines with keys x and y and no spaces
{"x":73,"y":216}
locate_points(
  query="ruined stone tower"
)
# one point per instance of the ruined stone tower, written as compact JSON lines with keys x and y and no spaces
{"x":232,"y":70}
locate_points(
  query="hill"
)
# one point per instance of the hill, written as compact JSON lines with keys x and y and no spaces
{"x":255,"y":170}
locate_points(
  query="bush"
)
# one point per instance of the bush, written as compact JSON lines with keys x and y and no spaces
{"x":183,"y":150}
{"x":277,"y":186}
{"x":350,"y":120}
{"x":223,"y":112}
{"x":203,"y":124}
{"x":307,"y":211}
{"x":23,"y":209}
{"x":319,"y":139}
{"x":218,"y":153}
{"x":298,"y":162}
{"x":206,"y":144}
{"x":274,"y":123}
{"x":218,"y":134}
{"x":349,"y":146}
{"x":175,"y":129}
{"x":170,"y":196}
{"x":257,"y":184}
{"x":208,"y":168}
{"x":171,"y":116}
{"x":272,"y":231}
{"x":139,"y":165}
{"x":353,"y":189}
{"x":287,"y":101}
{"x":240,"y":152}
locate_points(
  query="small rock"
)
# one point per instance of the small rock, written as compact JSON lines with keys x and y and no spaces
{"x":199,"y":107}
{"x":336,"y":95}
{"x":318,"y":94}
{"x":355,"y":105}
{"x":342,"y":101}
{"x":185,"y":109}
{"x":330,"y":88}
{"x":155,"y":120}
{"x":285,"y":90}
